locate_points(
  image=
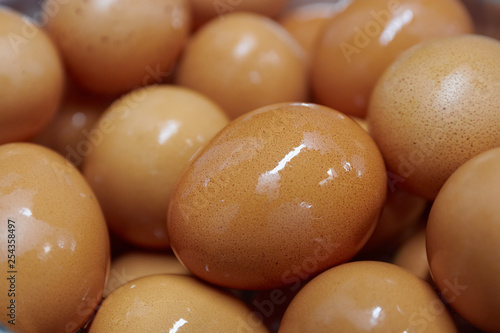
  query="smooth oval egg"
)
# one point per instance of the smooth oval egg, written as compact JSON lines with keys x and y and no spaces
{"x":136,"y":152}
{"x":244,"y":62}
{"x":435,"y":108}
{"x":278,"y":196}
{"x":112,"y":47}
{"x":359,"y":43}
{"x":463,"y":240}
{"x":31,"y":78}
{"x":58,"y":241}
{"x":367,"y":296}
{"x":173,"y":303}
{"x":134,"y":265}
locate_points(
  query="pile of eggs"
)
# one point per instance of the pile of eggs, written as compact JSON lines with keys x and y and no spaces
{"x":242,"y":166}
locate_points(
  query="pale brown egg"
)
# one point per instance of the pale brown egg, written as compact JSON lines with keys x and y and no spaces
{"x":69,"y":130}
{"x":54,"y":256}
{"x":306,"y":23}
{"x":205,"y":10}
{"x":359,"y":43}
{"x":31,"y":78}
{"x":244,"y":62}
{"x":111,"y":47}
{"x":173,"y":303}
{"x":367,"y":296}
{"x":278,"y":196}
{"x":136,"y":152}
{"x":435,"y":108}
{"x":463,"y":240}
{"x":413,"y":256}
{"x":134,"y":265}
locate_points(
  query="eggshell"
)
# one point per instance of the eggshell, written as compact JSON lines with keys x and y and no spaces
{"x":367,"y":296}
{"x":359,"y":43}
{"x":136,"y":152}
{"x":463,"y":240}
{"x":173,"y":303}
{"x":435,"y":108}
{"x":413,"y":256}
{"x":134,"y":265}
{"x":31,"y":78}
{"x":205,"y":10}
{"x":276,"y":197}
{"x":61,"y":243}
{"x":111,"y":47}
{"x":244,"y":62}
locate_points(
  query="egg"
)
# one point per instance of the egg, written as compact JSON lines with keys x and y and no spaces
{"x":136,"y":151}
{"x":359,"y":43}
{"x":31,"y":77}
{"x":134,"y":265}
{"x":205,"y":10}
{"x":367,"y":296}
{"x":463,"y":240}
{"x":244,"y":62}
{"x":278,"y":196}
{"x":173,"y":303}
{"x":435,"y":108}
{"x":305,"y":23}
{"x":55,"y":245}
{"x":112,"y":47}
{"x":413,"y":256}
{"x":68,"y":131}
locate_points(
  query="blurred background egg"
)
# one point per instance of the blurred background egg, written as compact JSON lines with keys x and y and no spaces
{"x":361,"y":41}
{"x":436,"y":107}
{"x":412,"y":255}
{"x":173,"y":303}
{"x":278,"y":196}
{"x":463,"y":240}
{"x":111,"y":47}
{"x":136,"y":152}
{"x":244,"y":62}
{"x":61,"y":243}
{"x":31,"y":77}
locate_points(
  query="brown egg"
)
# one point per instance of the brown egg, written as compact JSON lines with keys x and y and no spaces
{"x":359,"y":43}
{"x":276,"y":197}
{"x":435,"y":108}
{"x":134,"y":265}
{"x":173,"y":303}
{"x":111,"y":47}
{"x":306,"y":23}
{"x":367,"y":296}
{"x":463,"y":240}
{"x":31,"y":78}
{"x":54,"y":256}
{"x":137,"y":151}
{"x":69,"y":130}
{"x":399,"y":219}
{"x":413,"y":256}
{"x":244,"y":62}
{"x":205,"y":10}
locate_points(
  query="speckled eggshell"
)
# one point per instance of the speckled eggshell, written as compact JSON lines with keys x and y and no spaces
{"x":412,"y":256}
{"x":276,"y":197}
{"x":463,"y":240}
{"x":205,"y":10}
{"x":134,"y":265}
{"x":136,"y":152}
{"x":359,"y":43}
{"x":31,"y":78}
{"x":436,"y":107}
{"x":61,"y":241}
{"x":173,"y":303}
{"x":244,"y":62}
{"x":111,"y":47}
{"x":367,"y":296}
